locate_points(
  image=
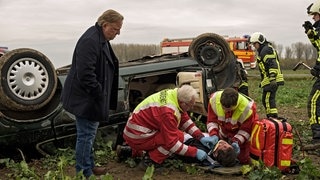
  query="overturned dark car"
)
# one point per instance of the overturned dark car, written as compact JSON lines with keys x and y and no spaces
{"x":30,"y":88}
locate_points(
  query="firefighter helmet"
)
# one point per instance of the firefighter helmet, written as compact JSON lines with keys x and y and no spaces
{"x":257,"y":37}
{"x":314,"y":8}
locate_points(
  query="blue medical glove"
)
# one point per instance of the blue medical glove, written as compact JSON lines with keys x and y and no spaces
{"x":201,"y":155}
{"x":236,"y":147}
{"x":210,"y":141}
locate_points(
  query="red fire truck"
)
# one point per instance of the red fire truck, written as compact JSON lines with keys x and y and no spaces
{"x":239,"y":45}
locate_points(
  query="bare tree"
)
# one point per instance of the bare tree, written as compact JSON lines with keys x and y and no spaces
{"x":314,"y":53}
{"x":279,"y":49}
{"x":288,"y":52}
{"x":307,"y":51}
{"x":298,"y":48}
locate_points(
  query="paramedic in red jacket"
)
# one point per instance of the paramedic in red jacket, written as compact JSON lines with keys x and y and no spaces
{"x":157,"y":124}
{"x":230,"y":117}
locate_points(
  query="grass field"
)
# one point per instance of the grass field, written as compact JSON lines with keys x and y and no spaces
{"x":292,"y":96}
{"x":291,"y":101}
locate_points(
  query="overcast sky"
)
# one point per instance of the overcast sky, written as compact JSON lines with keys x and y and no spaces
{"x":54,"y":26}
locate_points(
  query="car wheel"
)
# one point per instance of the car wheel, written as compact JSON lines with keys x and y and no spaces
{"x":211,"y":51}
{"x":28,"y":80}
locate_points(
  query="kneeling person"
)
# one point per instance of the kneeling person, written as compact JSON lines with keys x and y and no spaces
{"x":230,"y":117}
{"x":158,"y":123}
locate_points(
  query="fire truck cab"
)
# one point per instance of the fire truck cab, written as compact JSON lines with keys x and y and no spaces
{"x":242,"y":50}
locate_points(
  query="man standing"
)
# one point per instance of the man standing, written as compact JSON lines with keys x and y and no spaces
{"x":313,"y":33}
{"x":230,"y":118}
{"x":91,"y":86}
{"x":271,"y":75}
{"x":158,"y":123}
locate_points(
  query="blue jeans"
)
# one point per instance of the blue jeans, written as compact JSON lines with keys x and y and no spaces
{"x":86,"y":133}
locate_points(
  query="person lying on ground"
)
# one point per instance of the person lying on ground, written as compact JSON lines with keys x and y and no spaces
{"x":222,"y":152}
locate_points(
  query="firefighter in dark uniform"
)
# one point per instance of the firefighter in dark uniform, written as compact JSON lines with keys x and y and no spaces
{"x":271,"y":75}
{"x":313,"y":33}
{"x":243,"y":86}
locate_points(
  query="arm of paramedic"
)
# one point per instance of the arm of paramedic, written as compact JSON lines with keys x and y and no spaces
{"x":244,"y":132}
{"x":188,"y":126}
{"x":212,"y":122}
{"x":170,"y":135}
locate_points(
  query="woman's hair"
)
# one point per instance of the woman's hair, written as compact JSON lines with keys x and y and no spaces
{"x":110,"y":16}
{"x":229,"y":97}
{"x":227,"y":157}
{"x":186,"y":92}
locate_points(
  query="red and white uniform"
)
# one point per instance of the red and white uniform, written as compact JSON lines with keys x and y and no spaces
{"x":157,"y":125}
{"x":233,"y":126}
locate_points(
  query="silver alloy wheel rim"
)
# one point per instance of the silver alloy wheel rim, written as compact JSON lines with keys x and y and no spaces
{"x":27,"y":79}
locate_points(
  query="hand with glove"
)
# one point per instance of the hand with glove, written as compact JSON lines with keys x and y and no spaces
{"x":271,"y":87}
{"x":236,"y":147}
{"x":201,"y":155}
{"x":273,"y":84}
{"x":210,"y":141}
{"x":307,"y":26}
{"x":314,"y":72}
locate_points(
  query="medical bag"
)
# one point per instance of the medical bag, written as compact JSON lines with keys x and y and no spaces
{"x":271,"y":142}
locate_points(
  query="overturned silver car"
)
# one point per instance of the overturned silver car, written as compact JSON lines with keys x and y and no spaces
{"x":30,"y":88}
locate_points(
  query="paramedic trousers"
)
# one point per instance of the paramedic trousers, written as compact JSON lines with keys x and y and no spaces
{"x":156,"y":152}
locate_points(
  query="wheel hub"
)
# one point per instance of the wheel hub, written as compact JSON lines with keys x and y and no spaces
{"x":27,"y":78}
{"x":209,"y":54}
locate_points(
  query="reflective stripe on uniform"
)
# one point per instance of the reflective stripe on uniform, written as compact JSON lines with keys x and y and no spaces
{"x":314,"y":99}
{"x":163,"y":151}
{"x":174,"y":149}
{"x":192,"y":130}
{"x":211,"y":126}
{"x":141,"y":136}
{"x":145,"y":132}
{"x":186,"y":124}
{"x":242,"y":136}
{"x":246,"y":111}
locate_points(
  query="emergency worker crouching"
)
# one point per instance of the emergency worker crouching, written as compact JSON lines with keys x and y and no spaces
{"x":230,"y":118}
{"x":158,"y":123}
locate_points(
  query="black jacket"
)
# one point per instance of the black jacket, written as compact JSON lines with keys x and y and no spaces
{"x":91,"y":87}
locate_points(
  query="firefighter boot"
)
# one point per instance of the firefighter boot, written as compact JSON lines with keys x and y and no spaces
{"x":315,"y":133}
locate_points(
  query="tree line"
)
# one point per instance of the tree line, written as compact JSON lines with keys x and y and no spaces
{"x":299,"y":50}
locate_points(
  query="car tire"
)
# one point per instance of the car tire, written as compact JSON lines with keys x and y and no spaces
{"x":28,"y":80}
{"x":211,"y":50}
